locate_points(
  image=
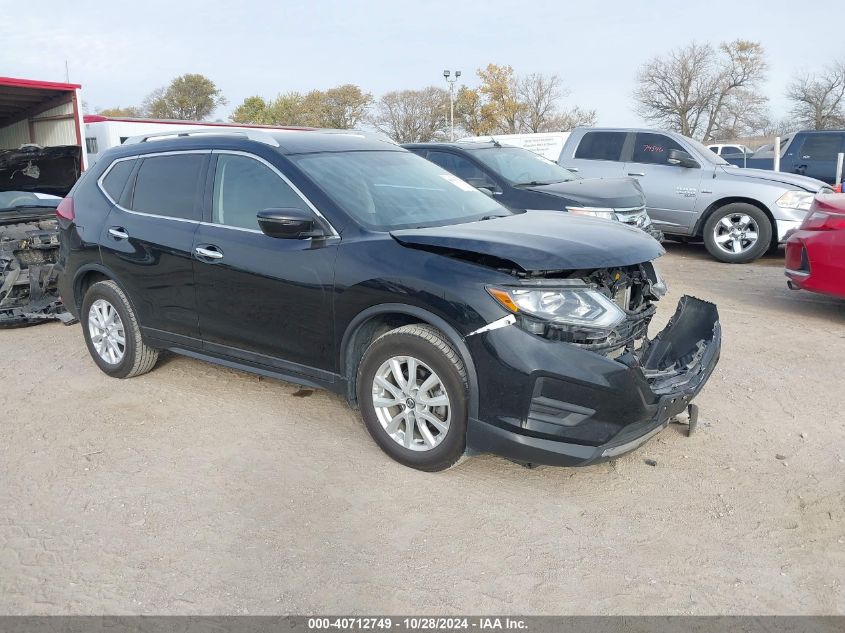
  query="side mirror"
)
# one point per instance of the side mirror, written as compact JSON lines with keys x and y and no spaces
{"x":289,"y":224}
{"x":681,"y":158}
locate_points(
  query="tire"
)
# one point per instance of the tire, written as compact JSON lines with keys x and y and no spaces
{"x":428,"y":447}
{"x":731,"y":217}
{"x":136,"y":357}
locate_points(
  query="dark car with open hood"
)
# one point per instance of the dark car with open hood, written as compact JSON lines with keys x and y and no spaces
{"x":32,"y":181}
{"x":522,"y":180}
{"x":337,"y":261}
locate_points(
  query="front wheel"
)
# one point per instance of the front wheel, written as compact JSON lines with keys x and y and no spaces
{"x":412,"y":389}
{"x":737,"y":233}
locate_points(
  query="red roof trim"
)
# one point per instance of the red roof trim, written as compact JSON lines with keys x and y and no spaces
{"x":97,"y":118}
{"x":41,"y":85}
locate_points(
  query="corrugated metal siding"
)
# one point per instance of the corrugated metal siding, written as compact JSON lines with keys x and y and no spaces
{"x":55,"y":132}
{"x":15,"y":135}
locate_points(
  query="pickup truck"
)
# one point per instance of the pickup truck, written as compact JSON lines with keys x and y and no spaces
{"x":809,"y":153}
{"x":691,"y":193}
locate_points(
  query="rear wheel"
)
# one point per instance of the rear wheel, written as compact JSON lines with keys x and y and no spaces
{"x":412,"y":389}
{"x":112,"y":333}
{"x":737,"y":233}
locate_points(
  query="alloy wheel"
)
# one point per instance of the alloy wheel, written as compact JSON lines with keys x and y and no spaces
{"x":105,"y":328}
{"x":736,"y":233}
{"x":411,"y":403}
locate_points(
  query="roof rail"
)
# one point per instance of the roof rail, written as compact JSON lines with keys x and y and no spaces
{"x":259,"y":136}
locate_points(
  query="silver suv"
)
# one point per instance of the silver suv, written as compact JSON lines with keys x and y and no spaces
{"x":693,"y":193}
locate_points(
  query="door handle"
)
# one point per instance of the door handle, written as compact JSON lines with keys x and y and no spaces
{"x":572,"y":168}
{"x":209,"y":251}
{"x":119,"y":233}
{"x":636,"y":173}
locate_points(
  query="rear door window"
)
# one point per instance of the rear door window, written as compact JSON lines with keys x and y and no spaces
{"x":168,"y":185}
{"x":821,"y":146}
{"x":653,"y":149}
{"x":244,"y":186}
{"x":601,"y":146}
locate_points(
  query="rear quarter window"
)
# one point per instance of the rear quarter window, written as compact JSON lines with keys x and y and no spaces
{"x":601,"y":146}
{"x":115,"y":181}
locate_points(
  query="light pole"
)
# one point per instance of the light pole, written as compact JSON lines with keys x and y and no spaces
{"x":451,"y":83}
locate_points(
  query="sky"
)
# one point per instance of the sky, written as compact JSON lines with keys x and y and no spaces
{"x":120,"y":51}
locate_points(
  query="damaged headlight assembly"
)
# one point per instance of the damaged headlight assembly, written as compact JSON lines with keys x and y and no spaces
{"x":800,"y":200}
{"x":576,"y":308}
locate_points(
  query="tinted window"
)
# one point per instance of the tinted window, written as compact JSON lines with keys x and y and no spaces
{"x":244,"y":186}
{"x":167,"y":185}
{"x":521,"y":166}
{"x":601,"y":146}
{"x":388,"y":189}
{"x":115,"y":180}
{"x":822,"y":146}
{"x":653,"y":148}
{"x":458,"y":165}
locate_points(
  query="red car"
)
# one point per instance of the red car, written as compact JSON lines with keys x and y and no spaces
{"x":815,"y":253}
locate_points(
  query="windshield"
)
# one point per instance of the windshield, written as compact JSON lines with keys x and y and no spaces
{"x":705,"y":153}
{"x":24,"y":199}
{"x":387,"y":190}
{"x":522,"y":167}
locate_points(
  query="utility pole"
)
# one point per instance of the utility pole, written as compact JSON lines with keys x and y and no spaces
{"x":451,"y":82}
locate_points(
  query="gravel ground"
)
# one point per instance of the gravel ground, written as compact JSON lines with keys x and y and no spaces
{"x":198,"y":489}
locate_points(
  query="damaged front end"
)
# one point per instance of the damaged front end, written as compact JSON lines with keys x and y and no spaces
{"x":28,"y":292}
{"x":611,"y":387}
{"x":32,"y":181}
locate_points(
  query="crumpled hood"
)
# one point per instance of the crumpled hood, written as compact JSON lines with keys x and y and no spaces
{"x":52,"y":170}
{"x":541,"y":240}
{"x":616,"y":193}
{"x":792,"y":180}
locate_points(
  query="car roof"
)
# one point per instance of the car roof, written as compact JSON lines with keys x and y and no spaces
{"x":287,"y":143}
{"x":465,"y":145}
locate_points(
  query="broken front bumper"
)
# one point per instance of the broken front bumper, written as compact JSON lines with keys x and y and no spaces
{"x":554,"y":403}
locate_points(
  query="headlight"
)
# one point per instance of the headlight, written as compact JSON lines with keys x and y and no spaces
{"x":605,"y":214}
{"x":796,"y":200}
{"x":580,"y":307}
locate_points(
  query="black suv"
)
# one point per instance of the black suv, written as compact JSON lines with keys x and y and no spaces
{"x":341,"y":262}
{"x":521,"y":180}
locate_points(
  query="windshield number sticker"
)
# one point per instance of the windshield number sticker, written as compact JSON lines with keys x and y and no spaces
{"x":460,"y":184}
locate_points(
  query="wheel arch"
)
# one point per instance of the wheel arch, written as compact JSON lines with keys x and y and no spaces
{"x":375,"y":321}
{"x":698,"y":231}
{"x":87,"y":276}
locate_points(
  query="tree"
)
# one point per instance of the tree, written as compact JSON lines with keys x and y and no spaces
{"x":132,"y":112}
{"x":538,"y":95}
{"x":413,"y":116}
{"x":506,"y":103}
{"x":191,"y":97}
{"x":691,"y":89}
{"x":340,"y":107}
{"x":499,"y":86}
{"x":469,"y":115}
{"x":819,"y":99}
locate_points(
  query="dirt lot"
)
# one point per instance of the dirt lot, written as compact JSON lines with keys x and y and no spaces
{"x":198,"y":489}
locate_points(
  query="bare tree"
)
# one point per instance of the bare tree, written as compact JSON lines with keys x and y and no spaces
{"x":819,"y":99}
{"x":413,"y":116}
{"x":568,"y":119}
{"x":538,"y":95}
{"x":690,"y":89}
